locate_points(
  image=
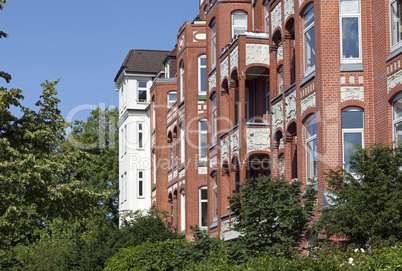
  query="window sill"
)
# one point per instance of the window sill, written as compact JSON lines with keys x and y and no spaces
{"x":308,"y":78}
{"x":349,"y":67}
{"x":394,"y":53}
{"x":214,"y":225}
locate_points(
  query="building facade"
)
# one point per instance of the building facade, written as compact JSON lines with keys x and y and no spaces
{"x":273,"y":87}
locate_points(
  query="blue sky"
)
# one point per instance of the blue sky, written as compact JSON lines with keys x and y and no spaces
{"x":83,"y":43}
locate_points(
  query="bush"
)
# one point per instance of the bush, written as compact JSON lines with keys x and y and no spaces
{"x":149,"y":256}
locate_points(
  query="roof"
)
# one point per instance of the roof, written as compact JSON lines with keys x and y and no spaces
{"x":143,"y":61}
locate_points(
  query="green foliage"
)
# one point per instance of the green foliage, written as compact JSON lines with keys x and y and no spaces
{"x":366,"y":208}
{"x":272,"y":215}
{"x":148,"y":256}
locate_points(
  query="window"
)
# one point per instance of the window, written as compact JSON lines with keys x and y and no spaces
{"x":237,"y":184}
{"x":140,"y":133}
{"x":142,"y":92}
{"x":154,"y":165}
{"x":281,"y":159}
{"x":203,"y":211}
{"x":397,"y":119}
{"x":182,"y":143}
{"x":247,"y":104}
{"x":183,"y":209}
{"x":237,"y":105}
{"x":239,"y":22}
{"x":140,"y":183}
{"x":182,"y":81}
{"x":171,"y":156}
{"x":202,"y":140}
{"x":167,"y":69}
{"x":171,"y":98}
{"x":214,"y":119}
{"x":213,"y":44}
{"x":280,"y":79}
{"x":202,"y":75}
{"x":267,"y":102}
{"x":311,"y":147}
{"x":352,"y":133}
{"x":395,"y":10}
{"x":308,"y":36}
{"x":266,"y":17}
{"x":214,"y":196}
{"x":350,"y":30}
{"x":153,"y":113}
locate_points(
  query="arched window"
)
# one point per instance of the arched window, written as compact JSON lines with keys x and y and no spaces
{"x":280,"y":79}
{"x":397,"y":119}
{"x":308,"y":37}
{"x":352,"y":133}
{"x":213,"y":44}
{"x":183,"y":210}
{"x":239,"y":22}
{"x":311,"y":147}
{"x":182,"y":143}
{"x":182,"y":81}
{"x":203,"y":207}
{"x":202,"y":140}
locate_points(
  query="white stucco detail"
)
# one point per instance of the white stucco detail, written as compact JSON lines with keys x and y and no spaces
{"x":212,"y":81}
{"x":213,"y":162}
{"x":289,"y":8}
{"x":257,"y":53}
{"x":308,"y":102}
{"x":202,"y":170}
{"x":277,"y":116}
{"x":225,"y":68}
{"x":276,"y":17}
{"x":224,"y":149}
{"x":258,"y":139}
{"x":234,"y":58}
{"x":234,"y":142}
{"x":291,"y":106}
{"x":182,"y":173}
{"x":352,"y":93}
{"x":170,"y":177}
{"x":279,"y":53}
{"x":394,"y":80}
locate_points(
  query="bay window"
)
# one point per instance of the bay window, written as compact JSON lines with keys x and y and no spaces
{"x":350,"y":30}
{"x":171,"y":98}
{"x":213,"y":44}
{"x":395,"y":11}
{"x":202,"y":75}
{"x":239,"y":22}
{"x":308,"y":37}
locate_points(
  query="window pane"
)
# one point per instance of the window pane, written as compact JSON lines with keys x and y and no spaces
{"x":309,"y":17}
{"x":172,"y":97}
{"x":140,"y":142}
{"x":310,"y":49}
{"x":398,"y":133}
{"x":142,"y":84}
{"x":311,"y":127}
{"x":352,"y":119}
{"x":140,"y":189}
{"x":203,"y":146}
{"x":203,"y":126}
{"x":312,"y":159}
{"x":239,"y":18}
{"x":350,"y":37}
{"x":142,"y":96}
{"x":349,"y":141}
{"x":140,"y":174}
{"x":350,"y":6}
{"x":398,"y":109}
{"x":203,"y":61}
{"x":396,"y":31}
{"x":203,"y":76}
{"x":204,"y":194}
{"x":204,"y":214}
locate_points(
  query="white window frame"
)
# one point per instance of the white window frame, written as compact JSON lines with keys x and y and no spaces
{"x":398,"y":44}
{"x":142,"y":89}
{"x":310,"y":139}
{"x":395,"y":121}
{"x":202,"y":133}
{"x":200,"y":68}
{"x":182,"y":73}
{"x":201,"y":200}
{"x":167,"y":69}
{"x":215,"y":205}
{"x":140,"y":135}
{"x":214,"y":119}
{"x":307,"y":70}
{"x":183,"y":210}
{"x":351,"y":130}
{"x":240,"y":27}
{"x":171,"y":102}
{"x":153,"y":114}
{"x":213,"y":44}
{"x":182,"y":142}
{"x":359,"y":19}
{"x":141,"y":183}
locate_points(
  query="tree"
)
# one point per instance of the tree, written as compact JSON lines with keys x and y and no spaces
{"x":97,"y":137}
{"x":366,"y":207}
{"x":272,"y":215}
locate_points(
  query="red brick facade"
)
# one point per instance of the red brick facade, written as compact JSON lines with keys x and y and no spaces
{"x":267,"y":88}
